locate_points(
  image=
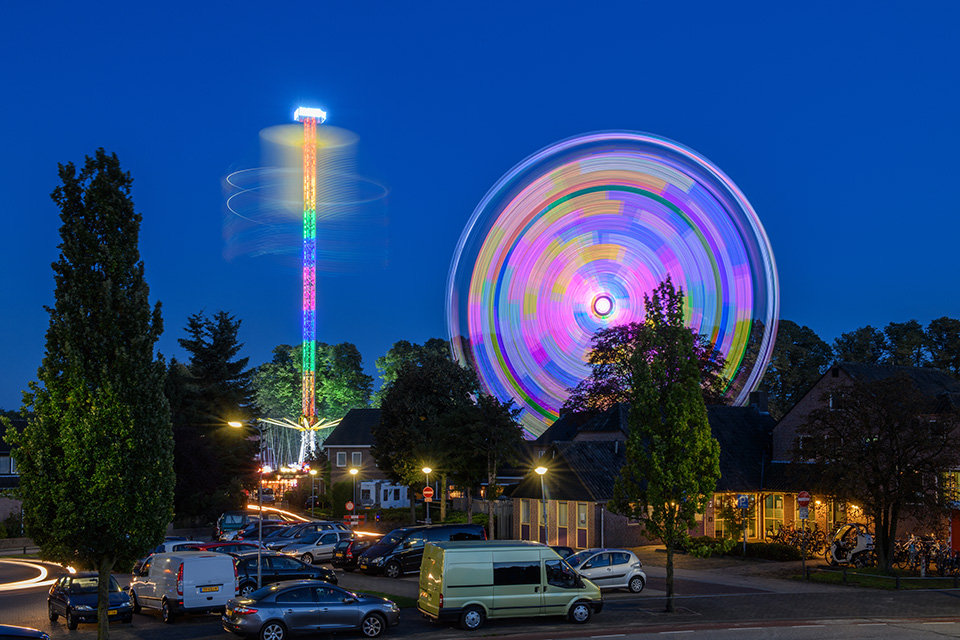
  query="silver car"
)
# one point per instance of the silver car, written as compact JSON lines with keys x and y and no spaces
{"x":610,"y":568}
{"x":293,"y":607}
{"x":316,"y":546}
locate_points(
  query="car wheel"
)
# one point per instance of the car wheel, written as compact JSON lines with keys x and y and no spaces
{"x":392,"y":570}
{"x":636,"y":584}
{"x":71,"y":620}
{"x":166,"y":612}
{"x":373,"y":625}
{"x":307,"y":558}
{"x":246,"y":589}
{"x":135,"y":602}
{"x":51,"y":613}
{"x":580,"y":612}
{"x":273,"y":630}
{"x":471,"y":618}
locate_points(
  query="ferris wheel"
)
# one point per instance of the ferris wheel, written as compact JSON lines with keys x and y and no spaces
{"x":571,"y":239}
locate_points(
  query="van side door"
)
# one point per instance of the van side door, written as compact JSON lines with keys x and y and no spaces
{"x":517,"y":586}
{"x":560,"y":587}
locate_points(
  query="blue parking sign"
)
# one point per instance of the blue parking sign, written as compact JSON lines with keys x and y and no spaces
{"x":743,"y":501}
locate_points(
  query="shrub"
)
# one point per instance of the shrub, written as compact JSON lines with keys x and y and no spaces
{"x":768,"y":551}
{"x":705,"y":546}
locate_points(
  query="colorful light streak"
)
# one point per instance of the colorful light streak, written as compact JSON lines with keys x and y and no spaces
{"x":570,"y":241}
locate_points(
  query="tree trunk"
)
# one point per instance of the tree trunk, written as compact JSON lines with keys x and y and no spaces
{"x":491,"y":497}
{"x":104,"y":567}
{"x":469,"y":505}
{"x":443,"y":498}
{"x":669,"y":543}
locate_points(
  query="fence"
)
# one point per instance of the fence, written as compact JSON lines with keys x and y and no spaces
{"x":898,"y":580}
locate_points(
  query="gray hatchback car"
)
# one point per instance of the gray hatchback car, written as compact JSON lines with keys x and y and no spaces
{"x":295,"y":607}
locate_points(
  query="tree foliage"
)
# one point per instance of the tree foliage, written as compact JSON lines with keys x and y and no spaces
{"x":403,"y":352}
{"x":672,"y":460}
{"x":211,"y":389}
{"x":906,"y":344}
{"x":866,"y":345}
{"x":611,"y":373}
{"x":799,"y":359}
{"x":96,"y":458}
{"x":943,"y":343}
{"x":882,"y":446}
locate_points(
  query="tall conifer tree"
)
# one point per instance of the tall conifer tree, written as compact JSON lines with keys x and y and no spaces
{"x":96,"y":458}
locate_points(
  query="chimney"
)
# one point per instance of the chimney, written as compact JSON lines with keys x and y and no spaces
{"x":758,"y":400}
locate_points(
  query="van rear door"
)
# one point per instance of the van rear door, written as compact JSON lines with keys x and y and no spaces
{"x":208,"y":580}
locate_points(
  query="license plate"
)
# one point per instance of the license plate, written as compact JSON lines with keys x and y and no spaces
{"x":111,"y":612}
{"x":208,"y":589}
{"x":229,"y":612}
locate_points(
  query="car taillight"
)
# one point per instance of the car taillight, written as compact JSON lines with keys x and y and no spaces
{"x":350,"y":550}
{"x":180,"y":580}
{"x":441,"y":601}
{"x":236,"y":579}
{"x":241,"y":610}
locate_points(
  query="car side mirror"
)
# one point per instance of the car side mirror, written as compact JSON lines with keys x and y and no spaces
{"x":126,"y":588}
{"x":589,"y":565}
{"x":348,"y":600}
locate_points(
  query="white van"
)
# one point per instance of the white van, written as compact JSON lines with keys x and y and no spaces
{"x":184,"y":581}
{"x":472,"y":581}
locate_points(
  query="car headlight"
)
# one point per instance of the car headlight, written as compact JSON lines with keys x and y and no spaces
{"x":390,"y":606}
{"x":379,"y":560}
{"x":83,"y":607}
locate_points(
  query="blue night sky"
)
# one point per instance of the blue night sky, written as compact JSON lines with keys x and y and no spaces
{"x":838,"y":121}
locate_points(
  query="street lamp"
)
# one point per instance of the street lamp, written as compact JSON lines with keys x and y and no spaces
{"x":313,"y":494}
{"x":543,"y":535}
{"x":426,"y":471}
{"x":354,"y":472}
{"x":256,"y":425}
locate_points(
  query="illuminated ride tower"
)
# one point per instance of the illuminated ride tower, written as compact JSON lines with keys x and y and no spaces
{"x":308,"y":419}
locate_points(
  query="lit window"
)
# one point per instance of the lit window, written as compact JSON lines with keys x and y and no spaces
{"x":357,"y":458}
{"x":341,"y":458}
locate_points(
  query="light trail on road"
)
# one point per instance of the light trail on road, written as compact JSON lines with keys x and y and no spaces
{"x":38,"y":581}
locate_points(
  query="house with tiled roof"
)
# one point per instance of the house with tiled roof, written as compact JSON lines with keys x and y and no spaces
{"x":583,"y":455}
{"x":348,"y":447}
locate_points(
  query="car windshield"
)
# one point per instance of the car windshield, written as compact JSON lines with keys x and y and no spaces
{"x":578,"y":558}
{"x":392,"y":539}
{"x":88,"y":584}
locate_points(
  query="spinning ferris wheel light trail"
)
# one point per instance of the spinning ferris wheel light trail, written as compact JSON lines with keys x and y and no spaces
{"x":310,"y":118}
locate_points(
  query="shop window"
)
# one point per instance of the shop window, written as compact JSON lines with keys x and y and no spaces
{"x":772,"y":514}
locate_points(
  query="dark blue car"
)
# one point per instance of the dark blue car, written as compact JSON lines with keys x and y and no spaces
{"x":74,"y":597}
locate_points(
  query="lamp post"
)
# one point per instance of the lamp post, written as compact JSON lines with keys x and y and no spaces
{"x":353,"y":472}
{"x":426,"y":471}
{"x":256,"y":425}
{"x":313,"y":494}
{"x":543,"y":532}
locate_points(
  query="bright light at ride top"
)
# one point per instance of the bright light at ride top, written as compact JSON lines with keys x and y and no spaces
{"x":302,"y":113}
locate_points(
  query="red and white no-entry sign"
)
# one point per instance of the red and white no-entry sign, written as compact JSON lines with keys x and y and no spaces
{"x":428,"y":492}
{"x":349,"y":505}
{"x":803,"y":499}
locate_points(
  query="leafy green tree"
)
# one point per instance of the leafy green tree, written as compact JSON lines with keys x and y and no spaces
{"x":799,"y":359}
{"x":865,"y":345}
{"x":884,"y":444}
{"x":482,"y":438}
{"x":905,"y":344}
{"x":943,"y":342}
{"x":672,"y":459}
{"x":213,"y":388}
{"x":611,"y":374}
{"x":414,"y":417}
{"x":96,"y":459}
{"x":401,"y":353}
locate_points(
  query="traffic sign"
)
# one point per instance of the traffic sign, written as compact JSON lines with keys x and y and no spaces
{"x":428,"y":492}
{"x":349,"y":505}
{"x":803,"y":499}
{"x":743,"y":501}
{"x":803,"y":513}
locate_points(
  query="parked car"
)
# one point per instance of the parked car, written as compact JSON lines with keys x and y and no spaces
{"x":11,"y":631}
{"x":292,"y":606}
{"x":317,"y":545}
{"x":230,"y":521}
{"x":472,"y":581}
{"x":184,"y":581}
{"x":276,"y":567}
{"x":253,"y":530}
{"x":75,"y":598}
{"x":564,"y":552}
{"x":401,"y":550}
{"x":229,"y":547}
{"x":284,"y":537}
{"x":347,"y":552}
{"x":610,"y":568}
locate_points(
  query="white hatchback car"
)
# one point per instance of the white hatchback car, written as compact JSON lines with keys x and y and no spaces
{"x":610,"y":568}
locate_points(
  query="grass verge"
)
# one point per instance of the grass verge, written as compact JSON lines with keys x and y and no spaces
{"x":874,"y":578}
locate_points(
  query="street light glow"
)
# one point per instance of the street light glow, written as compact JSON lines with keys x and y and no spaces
{"x":354,"y":471}
{"x":427,"y":470}
{"x":234,"y":423}
{"x":541,"y":470}
{"x":303,"y":113}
